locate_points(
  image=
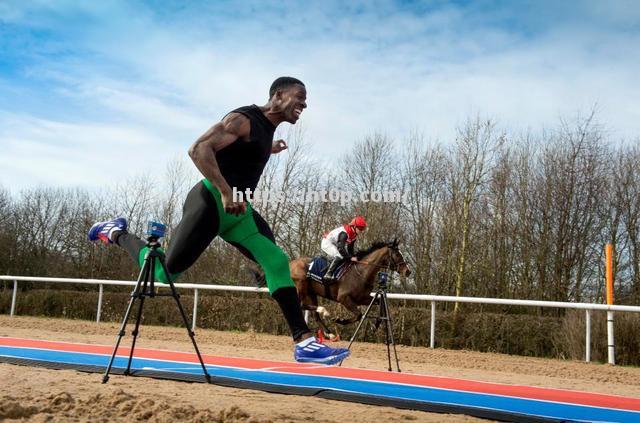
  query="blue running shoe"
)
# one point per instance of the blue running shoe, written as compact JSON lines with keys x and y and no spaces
{"x":103,"y":230}
{"x":311,"y":351}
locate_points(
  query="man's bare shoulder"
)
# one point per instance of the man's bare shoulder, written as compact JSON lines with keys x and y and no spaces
{"x":237,"y":124}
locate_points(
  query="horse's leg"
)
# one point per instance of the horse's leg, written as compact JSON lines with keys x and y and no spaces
{"x":319,"y":313}
{"x":307,"y":293}
{"x":323,"y":326}
{"x":310,"y":302}
{"x":308,"y":298}
{"x":350,"y":305}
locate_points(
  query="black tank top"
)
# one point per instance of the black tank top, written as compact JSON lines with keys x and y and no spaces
{"x":242,"y":162}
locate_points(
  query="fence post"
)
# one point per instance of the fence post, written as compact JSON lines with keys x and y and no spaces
{"x":13,"y":297}
{"x":195,"y":308}
{"x":99,"y":304}
{"x":611,"y":346}
{"x":432,"y":340}
{"x":587,"y":342}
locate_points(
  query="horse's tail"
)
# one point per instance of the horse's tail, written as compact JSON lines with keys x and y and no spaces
{"x":305,"y":265}
{"x":300,"y":275}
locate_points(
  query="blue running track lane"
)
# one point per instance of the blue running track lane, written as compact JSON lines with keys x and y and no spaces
{"x":411,"y":391}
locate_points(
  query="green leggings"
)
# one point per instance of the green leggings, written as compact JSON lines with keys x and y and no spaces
{"x":203,"y":219}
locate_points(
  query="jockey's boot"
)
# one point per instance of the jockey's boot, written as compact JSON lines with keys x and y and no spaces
{"x":329,"y":276}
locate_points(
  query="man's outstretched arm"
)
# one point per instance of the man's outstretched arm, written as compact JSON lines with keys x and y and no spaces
{"x":203,"y":154}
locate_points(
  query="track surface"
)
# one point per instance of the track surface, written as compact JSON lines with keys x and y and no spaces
{"x":481,"y":399}
{"x":271,"y":348}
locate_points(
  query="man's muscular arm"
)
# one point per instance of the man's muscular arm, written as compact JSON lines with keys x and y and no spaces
{"x":202,"y":152}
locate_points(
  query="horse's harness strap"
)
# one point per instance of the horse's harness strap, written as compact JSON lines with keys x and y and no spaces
{"x":366,"y":263}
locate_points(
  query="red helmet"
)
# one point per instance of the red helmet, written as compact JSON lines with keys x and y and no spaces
{"x":358,"y":222}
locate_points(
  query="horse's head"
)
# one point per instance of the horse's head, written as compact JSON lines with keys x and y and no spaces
{"x":388,"y":255}
{"x":396,"y":260}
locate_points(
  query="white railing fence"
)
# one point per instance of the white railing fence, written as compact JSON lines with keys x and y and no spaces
{"x":433,"y":299}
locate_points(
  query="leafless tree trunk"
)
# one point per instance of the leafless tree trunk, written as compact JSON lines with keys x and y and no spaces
{"x":476,"y":149}
{"x":424,"y":174}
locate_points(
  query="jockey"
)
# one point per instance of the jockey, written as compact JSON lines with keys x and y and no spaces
{"x":339,"y":243}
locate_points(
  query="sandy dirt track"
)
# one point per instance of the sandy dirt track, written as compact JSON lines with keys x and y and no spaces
{"x":33,"y":394}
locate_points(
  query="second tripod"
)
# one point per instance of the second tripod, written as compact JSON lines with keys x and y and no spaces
{"x":153,"y":259}
{"x":384,"y":316}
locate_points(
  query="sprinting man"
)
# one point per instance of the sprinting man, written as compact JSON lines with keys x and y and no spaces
{"x":233,"y":154}
{"x":339,"y":243}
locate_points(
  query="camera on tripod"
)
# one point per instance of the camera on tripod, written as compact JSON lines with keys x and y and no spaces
{"x":383,"y":278}
{"x":153,"y":260}
{"x":380,"y":299}
{"x":156,"y":230}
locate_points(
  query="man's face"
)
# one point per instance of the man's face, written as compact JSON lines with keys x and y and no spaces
{"x":360,"y":230}
{"x":293,"y":100}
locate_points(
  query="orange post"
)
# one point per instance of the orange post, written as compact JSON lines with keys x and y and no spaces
{"x":608,"y":253}
{"x":609,"y":272}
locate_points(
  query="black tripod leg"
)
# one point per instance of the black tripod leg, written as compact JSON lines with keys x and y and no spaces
{"x":176,"y":297}
{"x":134,"y":295}
{"x":137,"y":324}
{"x":362,"y":320}
{"x":389,"y":330}
{"x":384,"y":316}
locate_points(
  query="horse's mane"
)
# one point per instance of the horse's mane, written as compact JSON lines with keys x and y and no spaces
{"x":375,"y":246}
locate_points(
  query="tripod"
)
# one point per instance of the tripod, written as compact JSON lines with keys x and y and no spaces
{"x":145,"y":288}
{"x":383,"y":316}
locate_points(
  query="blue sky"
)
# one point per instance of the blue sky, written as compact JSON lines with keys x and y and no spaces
{"x":86,"y":85}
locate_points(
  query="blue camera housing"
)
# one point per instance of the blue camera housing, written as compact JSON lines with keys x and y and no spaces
{"x":156,"y":229}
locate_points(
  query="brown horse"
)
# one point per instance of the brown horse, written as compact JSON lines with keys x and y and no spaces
{"x":354,"y":288}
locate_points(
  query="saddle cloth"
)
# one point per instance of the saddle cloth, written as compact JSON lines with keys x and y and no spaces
{"x":318,"y":268}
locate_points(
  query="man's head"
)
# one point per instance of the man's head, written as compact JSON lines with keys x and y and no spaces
{"x":359,"y":224}
{"x":288,"y":96}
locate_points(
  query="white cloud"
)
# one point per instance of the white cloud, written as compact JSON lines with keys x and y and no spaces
{"x":41,"y":152}
{"x":161,"y":80}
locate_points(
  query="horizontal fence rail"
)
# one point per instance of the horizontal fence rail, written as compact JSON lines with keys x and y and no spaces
{"x":433,"y":299}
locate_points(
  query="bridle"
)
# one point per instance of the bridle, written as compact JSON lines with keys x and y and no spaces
{"x":392,"y":265}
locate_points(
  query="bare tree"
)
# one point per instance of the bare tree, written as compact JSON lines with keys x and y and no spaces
{"x":371,"y":168}
{"x":179,"y":177}
{"x":625,"y":218}
{"x":282,"y":174}
{"x":424,"y":175}
{"x":137,"y":200}
{"x":570,"y":182}
{"x":476,"y":148}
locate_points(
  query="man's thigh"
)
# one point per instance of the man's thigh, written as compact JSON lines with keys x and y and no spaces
{"x":197,"y":228}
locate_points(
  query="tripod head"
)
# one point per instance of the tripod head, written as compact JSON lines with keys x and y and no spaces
{"x":383,"y":278}
{"x":155,"y":231}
